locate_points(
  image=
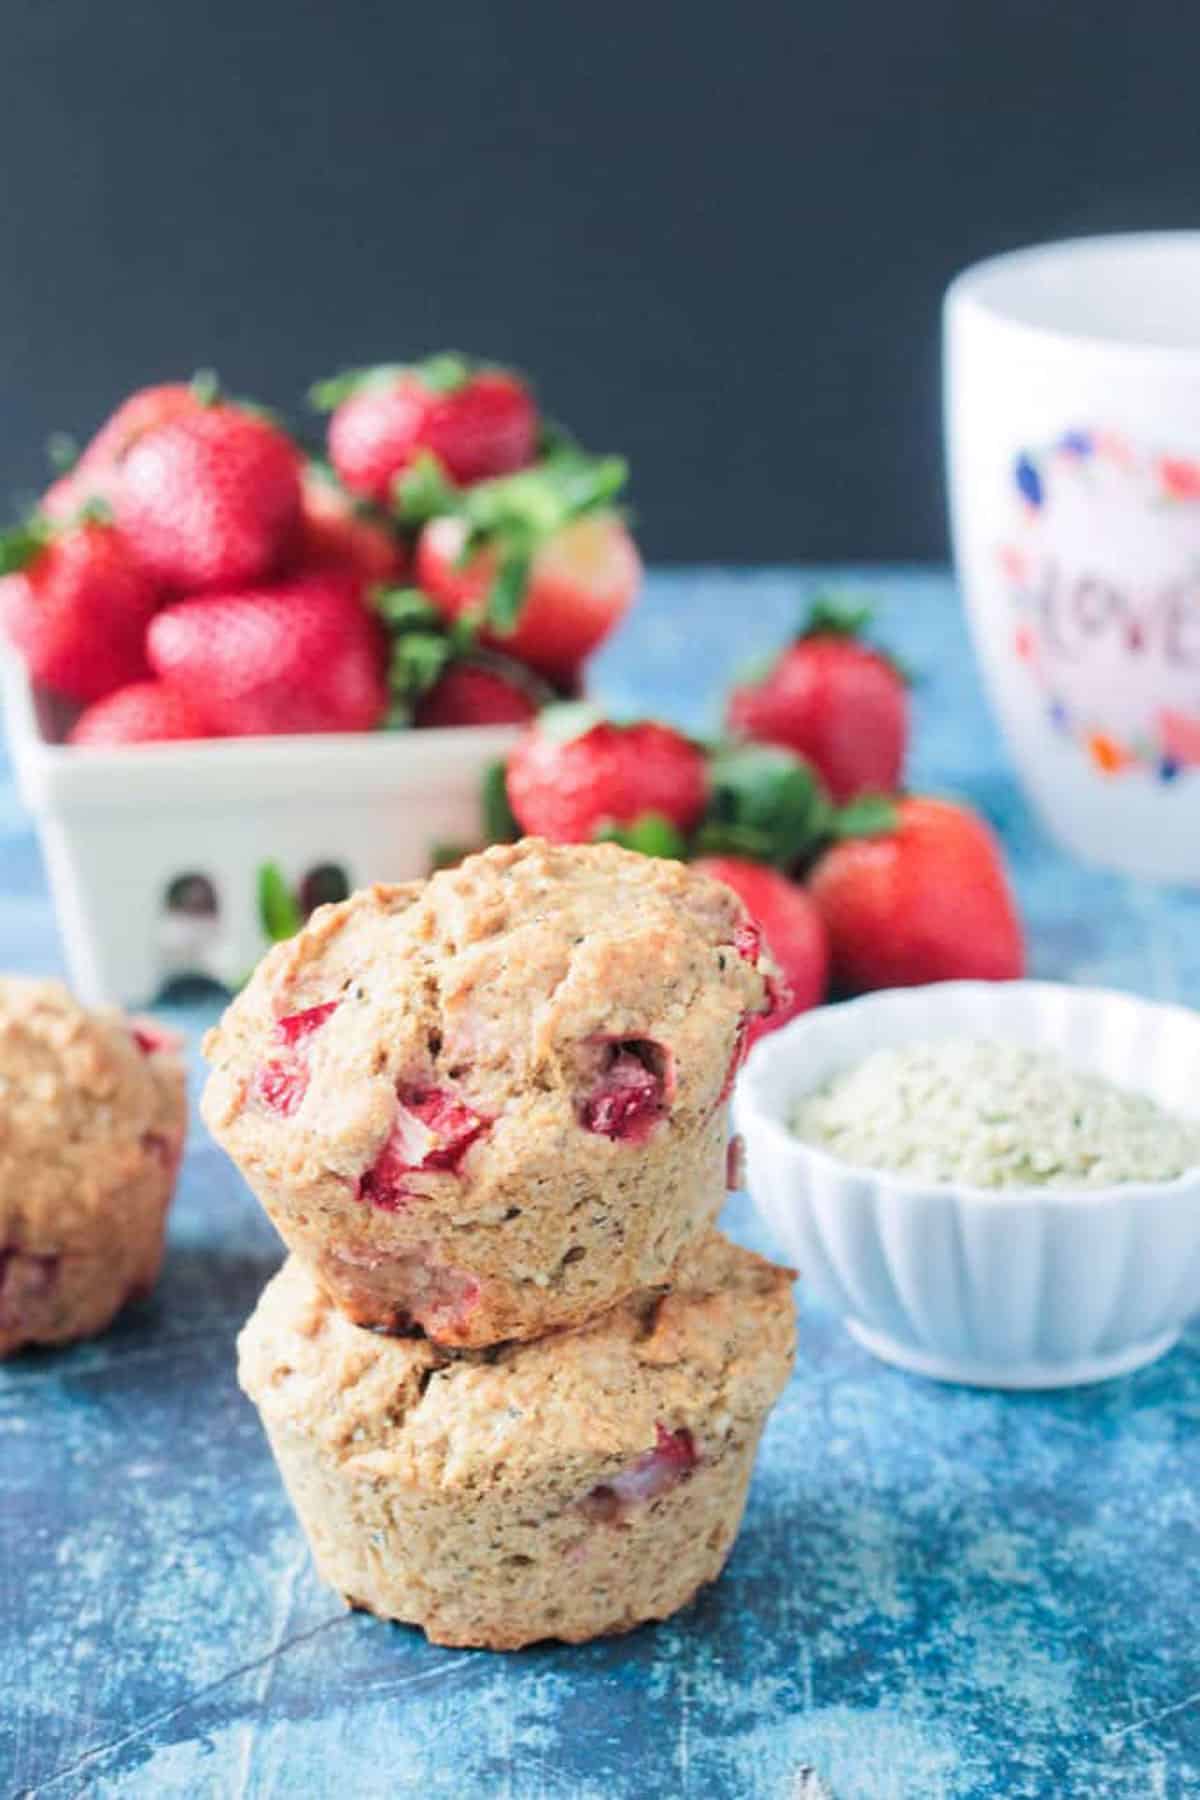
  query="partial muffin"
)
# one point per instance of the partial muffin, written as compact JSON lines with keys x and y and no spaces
{"x":92,"y":1122}
{"x":566,"y":1488}
{"x":494,"y":1103}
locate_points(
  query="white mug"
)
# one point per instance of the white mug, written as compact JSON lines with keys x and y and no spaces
{"x":1072,"y":394}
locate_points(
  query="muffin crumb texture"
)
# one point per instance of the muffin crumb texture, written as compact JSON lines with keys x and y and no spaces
{"x":92,"y":1123}
{"x":566,"y":1488}
{"x":994,"y":1115}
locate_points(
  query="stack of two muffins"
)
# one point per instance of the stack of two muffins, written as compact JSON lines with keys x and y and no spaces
{"x":488,"y":1114}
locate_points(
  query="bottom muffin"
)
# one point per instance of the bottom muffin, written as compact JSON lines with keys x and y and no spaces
{"x":566,"y":1488}
{"x":92,"y":1120}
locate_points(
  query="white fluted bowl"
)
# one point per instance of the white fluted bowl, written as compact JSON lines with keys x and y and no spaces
{"x":1016,"y":1287}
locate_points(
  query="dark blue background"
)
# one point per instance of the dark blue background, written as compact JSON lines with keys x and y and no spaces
{"x":718,"y":233}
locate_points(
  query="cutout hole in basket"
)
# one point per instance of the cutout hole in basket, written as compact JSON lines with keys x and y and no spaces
{"x":325,"y":884}
{"x":191,"y":896}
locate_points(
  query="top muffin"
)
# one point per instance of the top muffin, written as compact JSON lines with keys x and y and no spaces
{"x":494,"y":1103}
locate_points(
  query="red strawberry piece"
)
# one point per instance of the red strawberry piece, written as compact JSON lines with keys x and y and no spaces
{"x":77,"y":607}
{"x":282,"y":1083}
{"x":153,"y":1039}
{"x":477,"y":422}
{"x":433,"y":1130}
{"x":834,"y":700}
{"x":301,"y":655}
{"x":296,"y":1027}
{"x":337,"y":529}
{"x":211,"y":499}
{"x":928,"y":900}
{"x":570,"y":788}
{"x":672,"y":1459}
{"x":144,"y":712}
{"x":581,"y":583}
{"x":631,"y":1093}
{"x":792,"y":931}
{"x":472,"y":693}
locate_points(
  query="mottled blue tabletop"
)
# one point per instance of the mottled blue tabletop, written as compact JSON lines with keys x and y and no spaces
{"x":937,"y":1592}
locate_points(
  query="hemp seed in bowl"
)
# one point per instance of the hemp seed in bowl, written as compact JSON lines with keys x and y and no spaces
{"x":989,"y":1114}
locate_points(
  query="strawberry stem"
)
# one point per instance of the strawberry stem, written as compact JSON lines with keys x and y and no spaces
{"x":22,"y":543}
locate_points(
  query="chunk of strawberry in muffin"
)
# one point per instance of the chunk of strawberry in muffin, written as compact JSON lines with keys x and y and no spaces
{"x":433,"y":1130}
{"x":671,"y":1461}
{"x":282,"y":1083}
{"x":632,"y":1092}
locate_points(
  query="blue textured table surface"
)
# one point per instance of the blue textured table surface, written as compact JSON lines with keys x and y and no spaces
{"x":936,"y":1592}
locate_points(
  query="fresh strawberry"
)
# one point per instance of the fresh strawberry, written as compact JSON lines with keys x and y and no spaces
{"x":926,"y":900}
{"x":478,"y":693}
{"x":301,"y":655}
{"x":336,"y":529}
{"x":476,"y":420}
{"x":211,"y":499}
{"x":580,"y":585}
{"x":76,"y":604}
{"x":836,"y":701}
{"x":792,"y":928}
{"x":93,"y":476}
{"x":573,"y":777}
{"x":144,"y":712}
{"x":539,"y":561}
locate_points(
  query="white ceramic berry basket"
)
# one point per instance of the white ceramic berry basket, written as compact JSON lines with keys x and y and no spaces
{"x":1020,"y":1288}
{"x":119,"y":828}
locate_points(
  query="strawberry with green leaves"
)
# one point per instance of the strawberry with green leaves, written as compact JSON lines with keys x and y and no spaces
{"x":540,"y":561}
{"x":76,"y":604}
{"x":476,"y":420}
{"x":302,"y":654}
{"x":835,"y":700}
{"x":924,"y":897}
{"x":575,"y":777}
{"x":210,"y":499}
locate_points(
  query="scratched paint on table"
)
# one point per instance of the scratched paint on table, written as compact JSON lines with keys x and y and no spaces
{"x":936,"y":1593}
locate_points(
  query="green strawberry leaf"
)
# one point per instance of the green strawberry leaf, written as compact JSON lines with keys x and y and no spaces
{"x":405,"y":607}
{"x":206,"y":386}
{"x":837,"y":615}
{"x":444,"y":855}
{"x":764,"y":802}
{"x":568,"y":720}
{"x":62,"y":450}
{"x":555,"y":440}
{"x":651,"y":833}
{"x":417,"y":659}
{"x":871,"y":815}
{"x":21,"y":543}
{"x":445,"y":372}
{"x":327,"y":395}
{"x":499,"y":825}
{"x":507,"y":592}
{"x":423,"y":491}
{"x":277,"y":910}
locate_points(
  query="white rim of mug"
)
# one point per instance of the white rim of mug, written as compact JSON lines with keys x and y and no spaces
{"x":962,"y":295}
